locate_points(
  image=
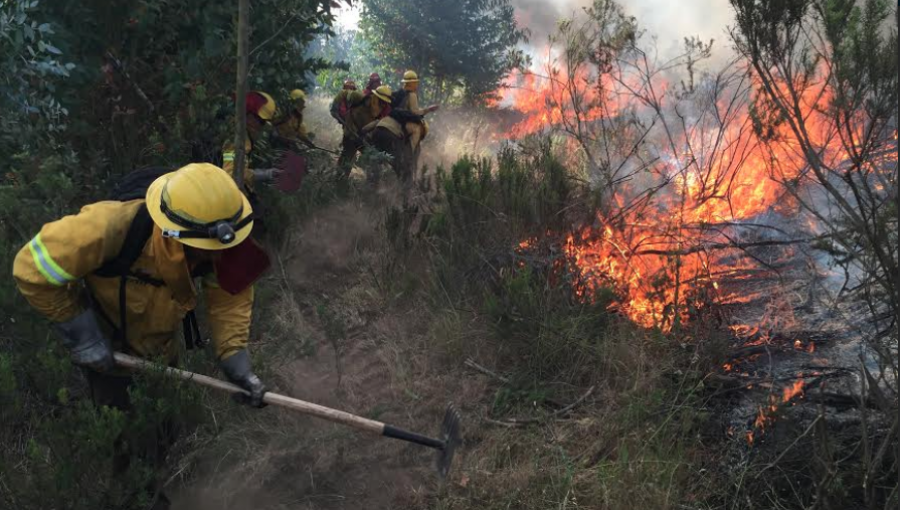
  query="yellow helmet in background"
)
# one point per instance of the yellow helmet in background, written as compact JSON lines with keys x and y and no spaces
{"x":410,"y":77}
{"x":384,"y":93}
{"x":200,"y":205}
{"x":263,"y":105}
{"x":298,"y":94}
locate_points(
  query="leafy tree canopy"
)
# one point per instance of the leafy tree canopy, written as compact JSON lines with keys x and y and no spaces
{"x":149,"y":82}
{"x":470,"y":45}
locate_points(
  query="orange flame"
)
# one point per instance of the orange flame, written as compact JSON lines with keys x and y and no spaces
{"x":766,"y":414}
{"x":654,"y":256}
{"x":546,"y":101}
{"x":793,"y":391}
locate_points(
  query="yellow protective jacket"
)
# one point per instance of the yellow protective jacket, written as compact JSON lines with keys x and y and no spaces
{"x":393,"y":126}
{"x":228,"y":161}
{"x":292,"y":127}
{"x":66,"y":252}
{"x":364,"y":110}
{"x":411,"y":102}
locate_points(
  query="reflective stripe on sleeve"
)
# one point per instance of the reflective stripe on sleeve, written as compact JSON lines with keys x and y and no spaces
{"x":228,"y":157}
{"x":46,"y":265}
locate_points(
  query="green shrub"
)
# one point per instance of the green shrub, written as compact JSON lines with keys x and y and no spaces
{"x":484,"y":211}
{"x":75,"y":455}
{"x":543,"y":331}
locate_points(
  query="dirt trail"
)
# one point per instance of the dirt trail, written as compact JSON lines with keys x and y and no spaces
{"x":360,"y":354}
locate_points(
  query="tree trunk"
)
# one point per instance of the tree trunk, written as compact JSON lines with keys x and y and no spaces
{"x":240,"y":112}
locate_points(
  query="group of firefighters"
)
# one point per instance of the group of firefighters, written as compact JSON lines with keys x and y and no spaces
{"x":362,"y":113}
{"x":378,"y":117}
{"x":121,"y":274}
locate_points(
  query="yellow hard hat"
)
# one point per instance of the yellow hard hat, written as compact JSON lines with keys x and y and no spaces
{"x":410,"y":77}
{"x":298,"y":94}
{"x":201,"y":206}
{"x":267,"y":110}
{"x":384,"y":93}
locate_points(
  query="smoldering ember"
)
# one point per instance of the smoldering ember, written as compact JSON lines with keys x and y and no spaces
{"x":449,"y":255}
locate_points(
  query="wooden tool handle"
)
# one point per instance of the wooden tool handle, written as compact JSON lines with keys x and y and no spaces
{"x":326,"y":413}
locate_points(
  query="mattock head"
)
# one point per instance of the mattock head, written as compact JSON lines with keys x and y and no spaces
{"x":450,"y":435}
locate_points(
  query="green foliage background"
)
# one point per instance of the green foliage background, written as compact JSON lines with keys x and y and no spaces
{"x":89,"y":91}
{"x":461,"y":50}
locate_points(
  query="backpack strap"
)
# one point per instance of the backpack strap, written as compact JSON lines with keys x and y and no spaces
{"x":398,"y":97}
{"x":136,"y":238}
{"x":120,"y":267}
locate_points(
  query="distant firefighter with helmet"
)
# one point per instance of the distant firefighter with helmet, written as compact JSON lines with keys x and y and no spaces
{"x":363,"y":115}
{"x":290,"y":126}
{"x":373,"y":84}
{"x":261,"y":110}
{"x":340,"y":105}
{"x":400,"y":133}
{"x":406,"y":103}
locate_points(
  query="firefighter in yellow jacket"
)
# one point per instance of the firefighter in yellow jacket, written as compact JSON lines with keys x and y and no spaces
{"x":290,"y":126}
{"x":362,"y":117}
{"x":340,"y":105}
{"x":198,"y":218}
{"x":409,"y":101}
{"x":260,"y":111}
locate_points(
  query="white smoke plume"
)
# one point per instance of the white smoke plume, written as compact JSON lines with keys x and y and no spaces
{"x":667,"y":20}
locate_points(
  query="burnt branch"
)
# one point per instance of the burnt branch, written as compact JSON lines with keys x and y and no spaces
{"x":724,"y":246}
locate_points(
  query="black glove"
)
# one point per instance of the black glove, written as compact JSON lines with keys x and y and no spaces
{"x":87,"y":344}
{"x":237,"y":368}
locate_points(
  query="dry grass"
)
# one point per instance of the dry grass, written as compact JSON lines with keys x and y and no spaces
{"x":385,"y":342}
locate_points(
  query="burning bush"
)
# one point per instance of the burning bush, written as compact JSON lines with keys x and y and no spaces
{"x":779,"y":168}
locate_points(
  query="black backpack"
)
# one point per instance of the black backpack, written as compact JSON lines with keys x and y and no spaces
{"x":131,"y":187}
{"x":402,"y":115}
{"x":398,"y":97}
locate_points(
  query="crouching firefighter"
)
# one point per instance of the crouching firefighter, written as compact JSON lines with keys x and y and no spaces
{"x":401,"y":133}
{"x":290,"y":127}
{"x":123,"y":274}
{"x":340,"y":105}
{"x":261,"y":110}
{"x":363,"y":116}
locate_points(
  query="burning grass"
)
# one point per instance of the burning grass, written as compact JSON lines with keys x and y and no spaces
{"x":695,"y":183}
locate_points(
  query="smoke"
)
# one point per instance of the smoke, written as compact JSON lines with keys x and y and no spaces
{"x":667,"y":21}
